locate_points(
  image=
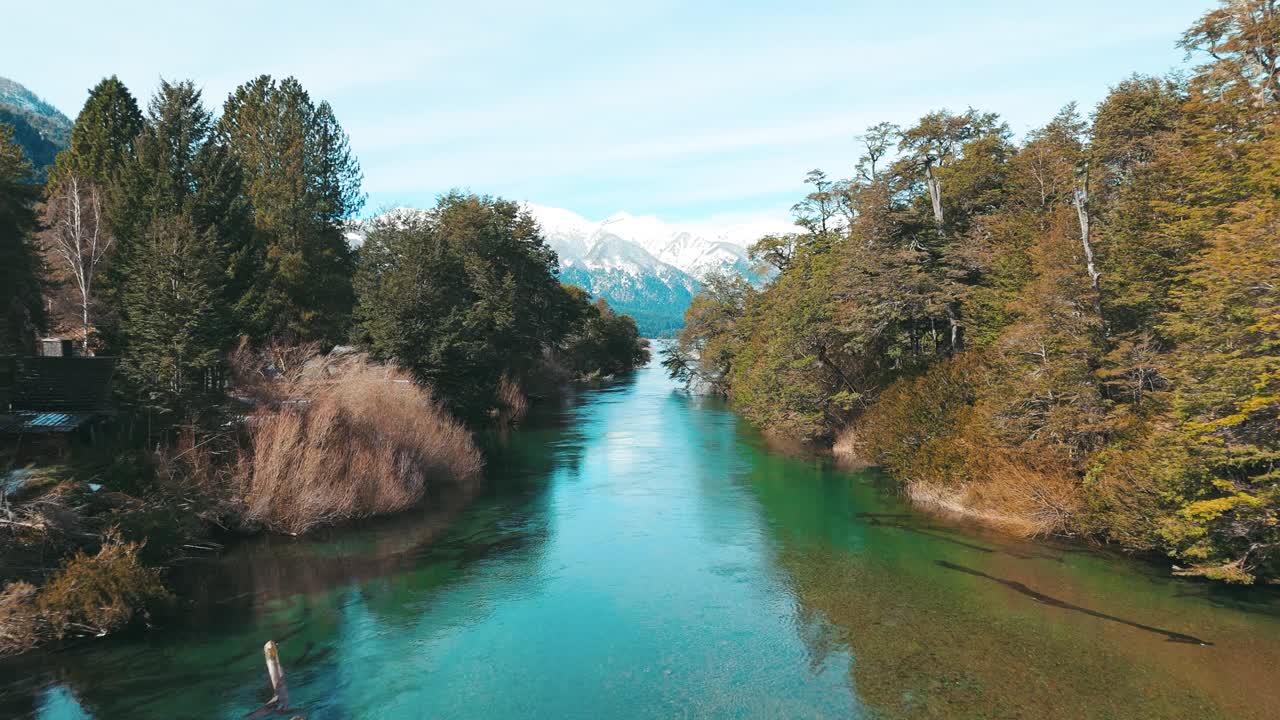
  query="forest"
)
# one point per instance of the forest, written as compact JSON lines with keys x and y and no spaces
{"x":1073,"y":332}
{"x":269,"y":373}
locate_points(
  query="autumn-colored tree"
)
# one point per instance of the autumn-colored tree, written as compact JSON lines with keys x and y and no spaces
{"x":1080,"y":331}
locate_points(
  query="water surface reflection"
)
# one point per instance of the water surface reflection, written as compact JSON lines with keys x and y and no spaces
{"x":640,"y":553}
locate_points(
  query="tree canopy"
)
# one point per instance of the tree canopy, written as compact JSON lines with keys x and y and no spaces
{"x":1080,"y":327}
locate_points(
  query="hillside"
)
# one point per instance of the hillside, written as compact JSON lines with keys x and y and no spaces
{"x":41,"y":129}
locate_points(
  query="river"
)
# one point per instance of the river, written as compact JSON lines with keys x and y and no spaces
{"x":639,"y":553}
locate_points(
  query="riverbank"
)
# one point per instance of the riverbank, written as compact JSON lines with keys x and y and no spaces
{"x":326,"y":441}
{"x":330,"y":441}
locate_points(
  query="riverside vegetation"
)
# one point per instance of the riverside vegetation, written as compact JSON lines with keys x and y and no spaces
{"x":208,"y":254}
{"x":1075,"y":333}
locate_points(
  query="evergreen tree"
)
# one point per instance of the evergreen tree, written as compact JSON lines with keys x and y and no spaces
{"x":102,"y":137}
{"x":182,"y":215}
{"x":302,"y":183}
{"x":20,"y":267}
{"x":174,"y":323}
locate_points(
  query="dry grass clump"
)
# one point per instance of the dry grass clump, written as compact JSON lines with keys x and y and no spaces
{"x":367,"y":441}
{"x":95,"y":594}
{"x":1004,"y":492}
{"x":90,"y":595}
{"x":49,"y":518}
{"x":269,"y":374}
{"x":850,"y":448}
{"x":20,"y":626}
{"x":513,"y":404}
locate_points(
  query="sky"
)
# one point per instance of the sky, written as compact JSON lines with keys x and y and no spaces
{"x":708,"y":111}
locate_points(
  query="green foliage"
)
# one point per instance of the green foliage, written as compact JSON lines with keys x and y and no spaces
{"x":915,"y":427}
{"x":302,"y":182}
{"x":180,"y":217}
{"x":1225,"y":369}
{"x":1081,"y":331}
{"x":20,"y":266}
{"x":461,"y":295}
{"x":86,"y":183}
{"x":704,"y":349}
{"x":601,"y":341}
{"x":103,"y":135}
{"x":784,"y":371}
{"x":174,"y":331}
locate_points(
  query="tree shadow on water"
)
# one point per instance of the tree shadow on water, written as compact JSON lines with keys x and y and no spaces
{"x":1055,"y":602}
{"x":904,"y":522}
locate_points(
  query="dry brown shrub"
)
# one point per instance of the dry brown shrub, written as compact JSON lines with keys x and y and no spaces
{"x":513,"y":405}
{"x":940,"y":439}
{"x":199,"y":475}
{"x":1042,"y":493}
{"x":369,"y":441}
{"x":1007,"y":490}
{"x":850,"y":447}
{"x":20,"y":625}
{"x":269,"y":374}
{"x":95,"y":594}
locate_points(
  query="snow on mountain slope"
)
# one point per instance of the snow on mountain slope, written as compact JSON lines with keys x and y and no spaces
{"x":695,"y":249}
{"x":645,"y":267}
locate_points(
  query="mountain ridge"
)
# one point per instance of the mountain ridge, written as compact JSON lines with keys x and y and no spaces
{"x":40,"y":129}
{"x":644,"y":266}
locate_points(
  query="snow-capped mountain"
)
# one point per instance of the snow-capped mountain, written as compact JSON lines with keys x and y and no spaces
{"x":644,"y":266}
{"x":694,"y":250}
{"x":633,"y":281}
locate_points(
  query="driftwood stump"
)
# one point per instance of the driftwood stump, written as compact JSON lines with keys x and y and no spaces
{"x":279,"y":703}
{"x":276,"y":673}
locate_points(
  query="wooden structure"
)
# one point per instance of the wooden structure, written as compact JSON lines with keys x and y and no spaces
{"x":55,"y":395}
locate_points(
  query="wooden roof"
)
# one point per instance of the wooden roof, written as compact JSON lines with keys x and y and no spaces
{"x":62,"y":385}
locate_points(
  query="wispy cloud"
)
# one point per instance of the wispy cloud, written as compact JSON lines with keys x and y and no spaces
{"x":692,"y":111}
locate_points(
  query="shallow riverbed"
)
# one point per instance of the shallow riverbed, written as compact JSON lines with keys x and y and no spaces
{"x":639,"y":553}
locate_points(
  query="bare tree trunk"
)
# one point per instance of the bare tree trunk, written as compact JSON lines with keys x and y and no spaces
{"x":953,"y":321}
{"x":1082,"y":211}
{"x":935,"y":194}
{"x":79,"y":240}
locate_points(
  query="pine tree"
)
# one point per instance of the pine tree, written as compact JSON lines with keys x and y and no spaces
{"x":102,"y":137}
{"x":20,"y":267}
{"x":173,"y":326}
{"x":302,"y":183}
{"x":182,"y":215}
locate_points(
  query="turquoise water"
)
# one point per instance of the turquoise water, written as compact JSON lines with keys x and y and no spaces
{"x":639,"y":553}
